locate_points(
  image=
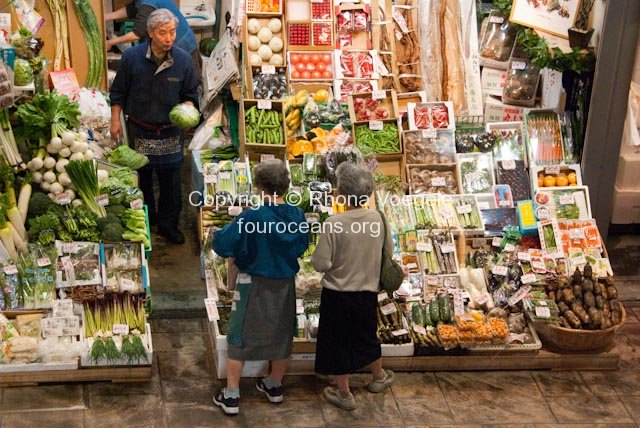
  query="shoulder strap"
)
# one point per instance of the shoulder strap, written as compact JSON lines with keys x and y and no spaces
{"x":384,"y":226}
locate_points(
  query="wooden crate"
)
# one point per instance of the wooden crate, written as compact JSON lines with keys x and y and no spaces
{"x":379,"y":156}
{"x":441,"y":168}
{"x":245,"y":147}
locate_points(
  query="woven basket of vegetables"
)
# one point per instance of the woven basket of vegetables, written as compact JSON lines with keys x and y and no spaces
{"x":568,"y":339}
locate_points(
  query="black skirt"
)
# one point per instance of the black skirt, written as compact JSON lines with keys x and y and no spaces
{"x":347,"y":340}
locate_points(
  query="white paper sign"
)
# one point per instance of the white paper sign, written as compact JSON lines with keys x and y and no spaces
{"x":264,"y":104}
{"x":424,"y":247}
{"x":379,"y":95}
{"x":508,"y":165}
{"x":234,"y":211}
{"x":438,"y":182}
{"x":500,"y":270}
{"x":389,"y":309}
{"x":519,"y":295}
{"x":268,"y":69}
{"x":212,"y":309}
{"x":102,"y":200}
{"x":542,"y":312}
{"x":566,"y":199}
{"x":528,"y":278}
{"x":464,"y":209}
{"x":376,"y":125}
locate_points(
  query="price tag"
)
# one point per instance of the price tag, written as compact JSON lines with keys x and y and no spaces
{"x":438,"y":182}
{"x":234,"y":211}
{"x":411,"y":266}
{"x":432,"y":280}
{"x":379,"y":95}
{"x":496,"y":19}
{"x":447,"y":248}
{"x":210,"y":178}
{"x":226,"y":175}
{"x":519,"y":295}
{"x":120,"y":329}
{"x":500,"y":270}
{"x":542,"y":303}
{"x":458,"y":304}
{"x":509,"y":165}
{"x":552,"y":170}
{"x":424,"y":247}
{"x":266,"y":156}
{"x":43,"y":261}
{"x":464,"y":209}
{"x":580,"y":260}
{"x":543,"y":312}
{"x":538,"y":265}
{"x":102,"y":200}
{"x":264,"y":104}
{"x":524,"y":256}
{"x":212,"y":309}
{"x":212,"y":291}
{"x":576,"y":233}
{"x":509,"y":248}
{"x":312,"y":218}
{"x":472,"y":177}
{"x":402,"y":23}
{"x":136,"y":204}
{"x":236,"y":295}
{"x":127,"y":285}
{"x":518,"y":65}
{"x":528,"y":278}
{"x":420,"y":329}
{"x":446,"y":212}
{"x":450,"y":282}
{"x":10,"y":269}
{"x":69,"y":247}
{"x":388,"y":309}
{"x":566,"y":199}
{"x":429,"y":133}
{"x":268,"y":69}
{"x":496,"y":242}
{"x":376,"y":125}
{"x":382,"y":296}
{"x":63,"y":198}
{"x":400,"y":332}
{"x":483,"y":205}
{"x":482,"y":299}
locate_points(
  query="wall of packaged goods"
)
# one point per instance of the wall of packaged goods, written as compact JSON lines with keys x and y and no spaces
{"x":476,"y":144}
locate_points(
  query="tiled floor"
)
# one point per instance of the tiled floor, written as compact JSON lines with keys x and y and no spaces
{"x":179,"y":395}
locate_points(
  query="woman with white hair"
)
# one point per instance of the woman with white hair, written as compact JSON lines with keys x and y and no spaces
{"x":265,"y":244}
{"x":349,"y":253}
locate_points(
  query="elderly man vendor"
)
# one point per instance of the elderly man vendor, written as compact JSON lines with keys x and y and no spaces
{"x":153,"y":77}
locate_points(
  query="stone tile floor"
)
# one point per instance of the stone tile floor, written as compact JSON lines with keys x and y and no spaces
{"x":179,"y":395}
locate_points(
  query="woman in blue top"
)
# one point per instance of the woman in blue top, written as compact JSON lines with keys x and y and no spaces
{"x":265,"y":244}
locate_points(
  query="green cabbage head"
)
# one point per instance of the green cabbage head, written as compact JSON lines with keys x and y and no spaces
{"x":184,"y":116}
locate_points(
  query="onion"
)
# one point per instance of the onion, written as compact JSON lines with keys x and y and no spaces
{"x":36,"y":164}
{"x":49,"y":177}
{"x":49,"y":162}
{"x":68,"y":138}
{"x":64,"y":179}
{"x":37,"y":177}
{"x":45,"y":186}
{"x":76,"y":146}
{"x":51,"y":196}
{"x":65,"y":152}
{"x":88,"y":155}
{"x":51,"y":150}
{"x":56,"y":188}
{"x":62,"y":163}
{"x":76,"y":202}
{"x":56,"y":142}
{"x":71,"y":193}
{"x":77,"y":156}
{"x":83,"y":136}
{"x":84,"y":146}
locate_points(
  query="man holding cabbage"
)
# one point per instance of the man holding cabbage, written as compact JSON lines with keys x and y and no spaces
{"x":157,"y":89}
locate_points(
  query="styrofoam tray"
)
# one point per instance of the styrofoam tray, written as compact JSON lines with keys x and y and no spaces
{"x":536,"y":345}
{"x":38,"y":367}
{"x":405,"y":350}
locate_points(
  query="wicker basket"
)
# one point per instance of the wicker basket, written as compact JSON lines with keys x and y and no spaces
{"x":566,"y":339}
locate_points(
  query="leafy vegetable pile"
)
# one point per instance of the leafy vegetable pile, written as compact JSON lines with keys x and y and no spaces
{"x":126,"y":156}
{"x":384,"y":142}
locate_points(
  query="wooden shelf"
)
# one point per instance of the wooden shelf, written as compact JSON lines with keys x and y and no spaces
{"x":113,"y":374}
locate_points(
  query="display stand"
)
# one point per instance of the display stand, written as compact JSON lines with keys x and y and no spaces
{"x":113,"y":374}
{"x":303,"y":360}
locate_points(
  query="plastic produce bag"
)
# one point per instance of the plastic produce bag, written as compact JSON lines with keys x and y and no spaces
{"x":206,"y":135}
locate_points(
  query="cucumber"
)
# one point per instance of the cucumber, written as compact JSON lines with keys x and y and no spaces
{"x":416,"y":314}
{"x":434,"y":314}
{"x":427,"y":316}
{"x":444,"y":308}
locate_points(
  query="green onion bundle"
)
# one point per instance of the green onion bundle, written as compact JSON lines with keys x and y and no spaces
{"x":84,"y":177}
{"x":95,"y":44}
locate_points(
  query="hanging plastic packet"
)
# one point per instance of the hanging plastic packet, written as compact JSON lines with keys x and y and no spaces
{"x":10,"y":287}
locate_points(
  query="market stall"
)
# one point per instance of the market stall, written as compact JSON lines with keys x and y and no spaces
{"x":476,"y":145}
{"x":75,"y":237}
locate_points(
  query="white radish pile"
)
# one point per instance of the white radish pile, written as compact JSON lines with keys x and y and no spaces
{"x":48,"y":166}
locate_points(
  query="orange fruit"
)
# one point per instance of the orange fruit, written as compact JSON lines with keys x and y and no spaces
{"x":549,"y":181}
{"x":540,"y":180}
{"x":572,"y":177}
{"x":562,"y":180}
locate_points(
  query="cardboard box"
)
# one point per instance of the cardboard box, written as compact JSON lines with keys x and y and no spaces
{"x":626,"y":206}
{"x":628,"y":173}
{"x":493,"y":81}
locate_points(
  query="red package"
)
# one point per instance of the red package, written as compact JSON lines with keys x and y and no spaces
{"x":321,"y":10}
{"x":322,"y":34}
{"x":440,"y":116}
{"x":347,"y":64}
{"x":422,"y":116}
{"x":360,"y":20}
{"x":345,"y":21}
{"x":345,"y":40}
{"x":365,"y":65}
